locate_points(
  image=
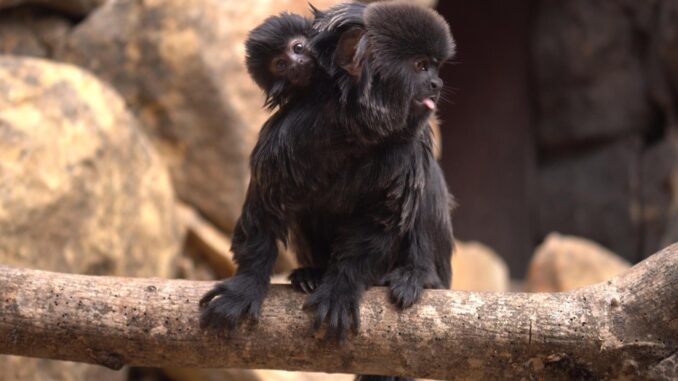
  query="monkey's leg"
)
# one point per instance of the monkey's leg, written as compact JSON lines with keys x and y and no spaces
{"x":310,"y":238}
{"x":359,"y":257}
{"x":407,"y":280}
{"x":255,"y":251}
{"x":424,"y":258}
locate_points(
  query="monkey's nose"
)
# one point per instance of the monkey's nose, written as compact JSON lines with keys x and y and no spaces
{"x":436,"y":84}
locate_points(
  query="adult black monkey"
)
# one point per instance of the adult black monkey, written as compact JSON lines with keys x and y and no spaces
{"x":279,"y":59}
{"x":376,"y":206}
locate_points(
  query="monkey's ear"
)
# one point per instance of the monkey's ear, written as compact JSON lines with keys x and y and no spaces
{"x":351,"y":51}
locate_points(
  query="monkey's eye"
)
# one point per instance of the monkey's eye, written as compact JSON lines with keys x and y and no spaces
{"x":298,"y":48}
{"x":421,"y":65}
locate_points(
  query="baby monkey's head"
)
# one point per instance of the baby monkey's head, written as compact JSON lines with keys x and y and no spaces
{"x":278,"y":57}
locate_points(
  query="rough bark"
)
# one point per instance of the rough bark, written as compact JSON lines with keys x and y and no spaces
{"x":627,"y":327}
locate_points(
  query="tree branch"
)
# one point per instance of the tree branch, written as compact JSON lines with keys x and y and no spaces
{"x":628,"y":326}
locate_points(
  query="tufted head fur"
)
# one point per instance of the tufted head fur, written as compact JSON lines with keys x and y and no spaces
{"x":397,"y":31}
{"x":370,"y":51}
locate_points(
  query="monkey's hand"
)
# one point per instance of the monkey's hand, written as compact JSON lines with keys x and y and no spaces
{"x":406,"y":285}
{"x":306,"y":279}
{"x":224,"y":306}
{"x":336,"y":307}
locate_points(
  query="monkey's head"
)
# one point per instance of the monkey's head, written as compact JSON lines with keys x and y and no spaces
{"x":389,"y":62}
{"x":278,"y":57}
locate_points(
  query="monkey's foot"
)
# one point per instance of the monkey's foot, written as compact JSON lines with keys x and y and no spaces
{"x":336,"y":308}
{"x":406,"y":287}
{"x":231,"y":301}
{"x":306,"y":279}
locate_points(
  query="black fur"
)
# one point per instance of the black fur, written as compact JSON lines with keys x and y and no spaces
{"x":266,"y":41}
{"x":346,"y":171}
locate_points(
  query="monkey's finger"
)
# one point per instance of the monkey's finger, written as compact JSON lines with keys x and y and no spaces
{"x":208,"y":318}
{"x":335,"y":318}
{"x":221,"y":315}
{"x":304,"y":288}
{"x":296,"y":285}
{"x":320,"y":316}
{"x":294,"y":280}
{"x":253,"y":310}
{"x":207,"y":298}
{"x":340,"y":331}
{"x":310,"y":285}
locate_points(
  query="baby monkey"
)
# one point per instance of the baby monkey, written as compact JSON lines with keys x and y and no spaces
{"x":278,"y":57}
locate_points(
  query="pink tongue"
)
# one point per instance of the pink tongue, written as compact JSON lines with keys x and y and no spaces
{"x":428,"y":102}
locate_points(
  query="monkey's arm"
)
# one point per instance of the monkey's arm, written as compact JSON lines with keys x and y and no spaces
{"x":255,"y":251}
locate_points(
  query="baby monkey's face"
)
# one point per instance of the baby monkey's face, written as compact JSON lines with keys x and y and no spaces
{"x":295,"y":63}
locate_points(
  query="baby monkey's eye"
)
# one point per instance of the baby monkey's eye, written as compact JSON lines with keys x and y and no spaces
{"x":298,"y":48}
{"x":421,"y":65}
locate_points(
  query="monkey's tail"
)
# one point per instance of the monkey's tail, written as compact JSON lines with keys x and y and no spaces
{"x":382,"y":378}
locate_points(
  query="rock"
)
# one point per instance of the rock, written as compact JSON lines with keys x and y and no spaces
{"x":183,"y":374}
{"x":205,"y":243}
{"x":589,"y":63}
{"x":78,"y":8}
{"x":563,"y":263}
{"x":15,"y":368}
{"x":594,"y":194}
{"x":667,"y":27}
{"x":177,"y":69}
{"x":659,"y":195}
{"x":81,"y":190}
{"x":671,"y":232}
{"x":607,"y":80}
{"x":29,"y":32}
{"x":182,"y":71}
{"x":476,"y":267}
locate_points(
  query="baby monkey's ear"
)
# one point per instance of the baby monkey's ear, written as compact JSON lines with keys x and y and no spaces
{"x":351,"y":51}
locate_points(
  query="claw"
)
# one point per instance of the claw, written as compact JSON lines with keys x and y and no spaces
{"x":207,"y":298}
{"x":230,"y":302}
{"x":335,"y":309}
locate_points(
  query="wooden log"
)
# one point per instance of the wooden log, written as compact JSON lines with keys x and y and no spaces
{"x":627,"y":327}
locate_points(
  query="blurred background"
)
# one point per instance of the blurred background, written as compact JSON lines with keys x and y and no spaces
{"x":126,"y":126}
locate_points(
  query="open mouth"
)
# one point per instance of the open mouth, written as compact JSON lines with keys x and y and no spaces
{"x":429,"y":102}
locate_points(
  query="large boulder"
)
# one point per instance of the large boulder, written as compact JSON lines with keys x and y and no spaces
{"x":590,"y":67}
{"x":182,"y":72}
{"x":476,"y":267}
{"x":563,"y":263}
{"x":667,"y":45}
{"x":658,"y":207}
{"x":594,"y":194}
{"x":81,"y":190}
